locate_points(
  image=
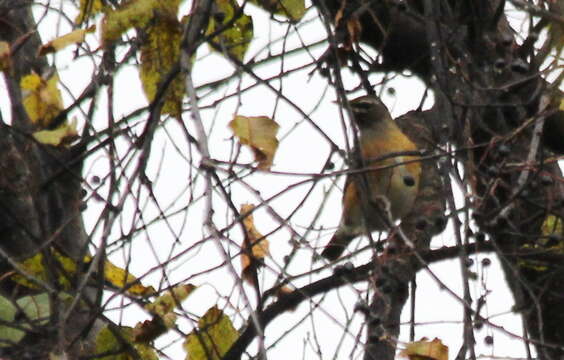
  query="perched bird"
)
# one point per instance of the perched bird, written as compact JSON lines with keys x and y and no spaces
{"x":392,"y":187}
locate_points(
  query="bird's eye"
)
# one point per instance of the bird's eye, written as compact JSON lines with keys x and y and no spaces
{"x":408,"y":181}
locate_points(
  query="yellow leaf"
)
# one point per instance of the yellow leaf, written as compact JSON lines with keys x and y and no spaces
{"x":166,"y":303}
{"x":135,"y":13}
{"x":162,"y":310}
{"x":235,"y":39}
{"x":255,"y":246}
{"x":31,"y":82}
{"x":42,"y":99}
{"x":120,"y":278}
{"x":34,"y":267}
{"x":258,"y":132}
{"x":426,"y":350}
{"x":62,"y":42}
{"x":212,"y":339}
{"x":63,"y":135}
{"x":159,"y":52}
{"x":552,"y":225}
{"x":5,"y":56}
{"x":259,"y":247}
{"x":294,"y":10}
{"x":561,"y":106}
{"x":88,"y":9}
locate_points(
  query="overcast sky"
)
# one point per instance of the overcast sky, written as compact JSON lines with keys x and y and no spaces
{"x":302,"y":150}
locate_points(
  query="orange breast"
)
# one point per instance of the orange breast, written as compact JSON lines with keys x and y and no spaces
{"x":387,"y":181}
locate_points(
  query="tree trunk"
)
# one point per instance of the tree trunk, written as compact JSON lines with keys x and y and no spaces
{"x":486,"y":88}
{"x":40,"y":196}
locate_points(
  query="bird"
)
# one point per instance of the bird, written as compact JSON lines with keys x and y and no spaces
{"x":392,"y":186}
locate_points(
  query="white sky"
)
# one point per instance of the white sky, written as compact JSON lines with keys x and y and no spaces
{"x":302,"y":150}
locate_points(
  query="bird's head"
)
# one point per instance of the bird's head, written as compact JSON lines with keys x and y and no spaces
{"x":369,"y":110}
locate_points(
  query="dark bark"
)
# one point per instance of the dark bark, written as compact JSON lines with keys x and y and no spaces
{"x":40,"y":200}
{"x":486,"y":87}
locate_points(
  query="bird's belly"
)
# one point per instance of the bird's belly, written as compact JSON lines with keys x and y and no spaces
{"x":392,"y":186}
{"x":401,"y":199}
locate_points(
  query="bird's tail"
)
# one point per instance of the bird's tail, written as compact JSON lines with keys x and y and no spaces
{"x":337,"y":245}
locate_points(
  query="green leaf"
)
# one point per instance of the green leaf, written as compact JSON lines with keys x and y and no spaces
{"x":212,"y":339}
{"x":36,"y":307}
{"x":236,"y":37}
{"x":8,"y":335}
{"x":294,"y":10}
{"x":135,"y":13}
{"x":159,"y":52}
{"x":7,"y":310}
{"x":88,"y":9}
{"x":106,"y":342}
{"x":552,"y":225}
